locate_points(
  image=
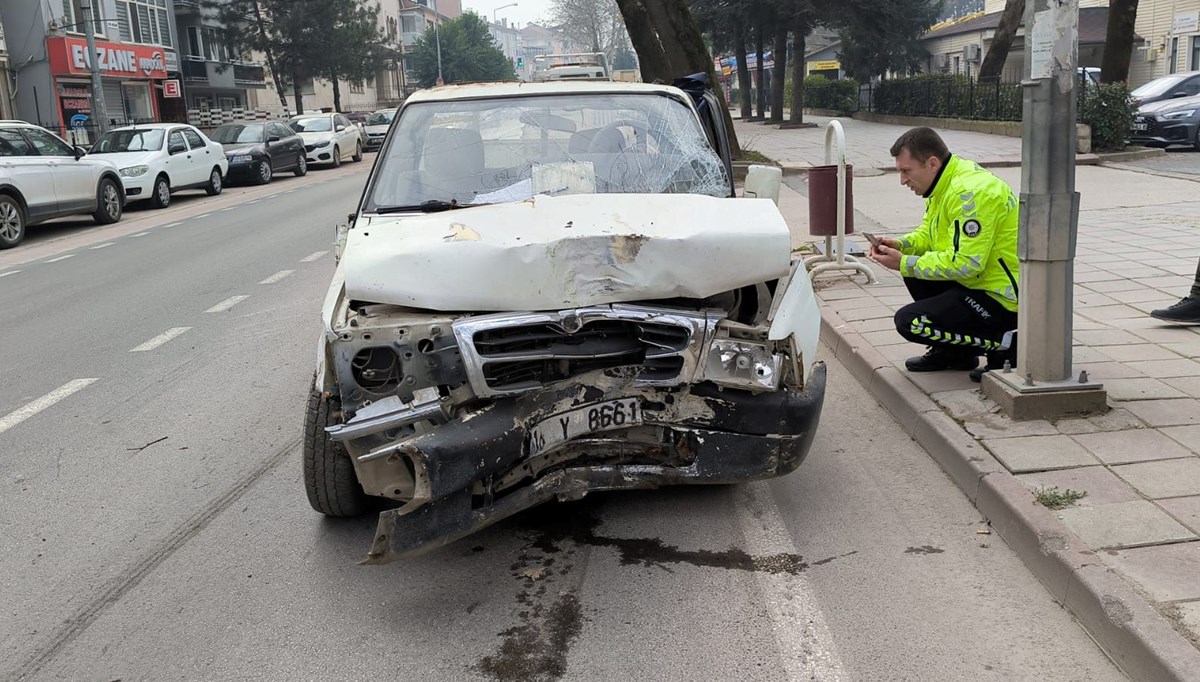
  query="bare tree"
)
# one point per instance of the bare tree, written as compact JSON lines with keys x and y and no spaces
{"x":997,"y":54}
{"x":593,"y":25}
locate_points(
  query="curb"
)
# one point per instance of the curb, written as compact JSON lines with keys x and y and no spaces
{"x":1133,"y":154}
{"x":1125,"y":626}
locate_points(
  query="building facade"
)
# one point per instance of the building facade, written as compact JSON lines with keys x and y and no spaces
{"x":1170,"y":32}
{"x":6,"y":104}
{"x":508,"y":39}
{"x":135,"y":52}
{"x":214,"y":75}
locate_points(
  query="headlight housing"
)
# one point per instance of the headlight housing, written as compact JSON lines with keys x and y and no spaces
{"x":134,"y":171}
{"x":323,"y":143}
{"x":240,"y":158}
{"x":1175,"y":115}
{"x":743,"y":364}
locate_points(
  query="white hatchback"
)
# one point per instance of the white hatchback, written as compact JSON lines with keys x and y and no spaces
{"x":157,"y":159}
{"x":42,"y":177}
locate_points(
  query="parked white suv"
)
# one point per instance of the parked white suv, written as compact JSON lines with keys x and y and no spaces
{"x":42,"y":177}
{"x":328,"y":138}
{"x":156,"y":159}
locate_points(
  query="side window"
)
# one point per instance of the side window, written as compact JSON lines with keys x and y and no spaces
{"x":342,"y":121}
{"x":176,"y":140}
{"x":12,"y":143}
{"x":193,"y":138}
{"x":280,"y":131}
{"x":1192,"y":87}
{"x":47,"y":144}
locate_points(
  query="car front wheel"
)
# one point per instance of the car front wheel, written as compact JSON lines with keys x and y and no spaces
{"x":337,"y":157}
{"x":329,"y":478}
{"x":12,"y":222}
{"x":160,"y":196}
{"x":215,"y":182}
{"x":109,"y":202}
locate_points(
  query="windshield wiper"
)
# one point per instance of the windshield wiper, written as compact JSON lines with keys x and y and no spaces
{"x":431,"y":206}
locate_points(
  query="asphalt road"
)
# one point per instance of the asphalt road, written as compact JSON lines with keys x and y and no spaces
{"x":154,"y":523}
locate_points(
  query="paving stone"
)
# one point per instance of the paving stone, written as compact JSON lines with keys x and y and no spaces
{"x":1140,"y":389}
{"x":1108,"y":313}
{"x":1165,"y":573}
{"x":1123,"y":524}
{"x":998,"y":426}
{"x":1072,"y":427}
{"x":877,"y":325}
{"x":1136,"y":295}
{"x":1083,"y":354}
{"x":833,"y":292}
{"x":1124,"y":447}
{"x":889,"y":337}
{"x":1118,"y":419}
{"x":1185,"y":509}
{"x":1189,"y":615}
{"x":964,"y":404}
{"x":1187,"y":349}
{"x":1091,"y":299}
{"x":1162,"y":369}
{"x":936,"y":382}
{"x":853,"y":303}
{"x":1116,"y":285}
{"x":1166,"y":334}
{"x":1107,"y":370}
{"x":1150,"y":306}
{"x":1101,"y":485}
{"x":1182,"y":412}
{"x":1105,"y":337}
{"x":868,"y":313}
{"x":900,"y":352}
{"x":1189,"y":386}
{"x":1139,"y":351}
{"x":1189,"y":436}
{"x":1168,"y":478}
{"x":1039,"y":453}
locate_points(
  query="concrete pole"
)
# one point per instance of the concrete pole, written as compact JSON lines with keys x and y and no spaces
{"x":99,"y":108}
{"x":1049,"y":203}
{"x":437,"y":34}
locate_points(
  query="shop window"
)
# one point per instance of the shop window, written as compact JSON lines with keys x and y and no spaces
{"x":138,"y":106}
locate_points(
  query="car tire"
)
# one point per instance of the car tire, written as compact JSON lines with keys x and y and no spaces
{"x":216,"y":184}
{"x":1196,"y":142}
{"x":265,"y":172}
{"x":109,"y":202}
{"x":357,"y":151}
{"x":301,"y":167}
{"x":329,"y":478}
{"x":337,"y":157}
{"x":160,"y":193}
{"x":12,"y":221}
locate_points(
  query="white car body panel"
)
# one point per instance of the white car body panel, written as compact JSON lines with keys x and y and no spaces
{"x":190,"y":168}
{"x":549,"y":253}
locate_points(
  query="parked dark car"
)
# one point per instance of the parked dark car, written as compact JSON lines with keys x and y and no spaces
{"x":1168,"y":122}
{"x":1173,"y":86}
{"x":256,"y":151}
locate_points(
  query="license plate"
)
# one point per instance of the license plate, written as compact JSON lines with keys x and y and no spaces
{"x":606,"y":416}
{"x":1140,"y":126}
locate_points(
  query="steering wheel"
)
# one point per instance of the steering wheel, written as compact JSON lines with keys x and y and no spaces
{"x":596,"y":144}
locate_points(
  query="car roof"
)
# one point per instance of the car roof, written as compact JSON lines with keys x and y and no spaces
{"x":152,"y":126}
{"x":516,"y":89}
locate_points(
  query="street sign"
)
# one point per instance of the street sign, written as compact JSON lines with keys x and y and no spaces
{"x":440,"y":81}
{"x":170,"y":88}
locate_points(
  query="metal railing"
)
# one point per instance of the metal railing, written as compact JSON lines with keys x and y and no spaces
{"x":953,"y":97}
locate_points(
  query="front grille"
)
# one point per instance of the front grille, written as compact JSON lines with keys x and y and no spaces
{"x":508,"y":354}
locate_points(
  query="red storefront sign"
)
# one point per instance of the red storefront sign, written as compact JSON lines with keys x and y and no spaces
{"x":68,"y":57}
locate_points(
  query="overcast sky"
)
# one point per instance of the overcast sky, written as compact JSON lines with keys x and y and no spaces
{"x":525,"y":11}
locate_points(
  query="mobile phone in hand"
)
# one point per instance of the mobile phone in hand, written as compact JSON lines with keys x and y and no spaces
{"x":875,"y":241}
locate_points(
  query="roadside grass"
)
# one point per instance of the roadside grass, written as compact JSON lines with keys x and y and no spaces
{"x":754,"y":157}
{"x":1053,"y":498}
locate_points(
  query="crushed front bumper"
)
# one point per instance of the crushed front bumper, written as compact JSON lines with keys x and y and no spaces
{"x":734,"y":436}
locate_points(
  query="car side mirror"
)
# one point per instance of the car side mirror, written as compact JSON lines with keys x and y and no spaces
{"x":80,"y":152}
{"x":340,"y":128}
{"x":273,"y":138}
{"x":763,"y":182}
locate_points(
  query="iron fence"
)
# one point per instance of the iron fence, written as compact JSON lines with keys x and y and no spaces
{"x":954,"y":97}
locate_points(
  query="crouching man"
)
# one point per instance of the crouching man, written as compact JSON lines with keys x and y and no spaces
{"x":960,"y":265}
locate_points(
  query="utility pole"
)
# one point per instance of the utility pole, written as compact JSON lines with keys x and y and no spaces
{"x":1042,"y":385}
{"x":99,"y":108}
{"x":437,"y":35}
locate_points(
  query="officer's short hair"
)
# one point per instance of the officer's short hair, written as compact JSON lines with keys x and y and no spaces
{"x":921,"y":144}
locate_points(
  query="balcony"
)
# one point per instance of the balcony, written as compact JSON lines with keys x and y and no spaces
{"x":250,"y":75}
{"x":194,"y":71}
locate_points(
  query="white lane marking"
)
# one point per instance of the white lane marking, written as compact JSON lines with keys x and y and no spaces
{"x":55,"y":260}
{"x":10,"y":272}
{"x":142,"y":234}
{"x":101,"y":246}
{"x":160,"y":339}
{"x":313,"y":256}
{"x":254,"y":202}
{"x":805,"y":644}
{"x":228,"y":209}
{"x":21,"y":414}
{"x":202,"y":215}
{"x":226,"y":304}
{"x":171,"y":225}
{"x":277,"y":276}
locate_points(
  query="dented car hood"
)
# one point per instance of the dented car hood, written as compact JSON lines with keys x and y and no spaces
{"x":548,"y":253}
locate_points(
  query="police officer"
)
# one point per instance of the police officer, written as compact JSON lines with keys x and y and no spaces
{"x":960,"y":265}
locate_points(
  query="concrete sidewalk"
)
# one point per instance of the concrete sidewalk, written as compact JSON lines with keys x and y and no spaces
{"x":1125,"y":559}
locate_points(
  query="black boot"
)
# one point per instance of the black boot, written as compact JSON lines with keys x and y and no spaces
{"x":1186,"y":311}
{"x":938,"y":359}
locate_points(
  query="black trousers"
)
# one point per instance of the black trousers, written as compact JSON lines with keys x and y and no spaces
{"x":952,"y":316}
{"x":1196,"y":284}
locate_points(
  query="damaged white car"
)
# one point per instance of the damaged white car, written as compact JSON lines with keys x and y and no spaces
{"x":549,"y":289}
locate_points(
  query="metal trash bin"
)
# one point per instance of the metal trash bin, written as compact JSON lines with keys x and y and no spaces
{"x":822,"y":200}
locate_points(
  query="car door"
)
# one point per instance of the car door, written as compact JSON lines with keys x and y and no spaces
{"x":178,"y":161}
{"x":348,"y":138}
{"x":28,"y":172}
{"x":74,"y":181}
{"x":283,"y":155}
{"x":200,"y":153}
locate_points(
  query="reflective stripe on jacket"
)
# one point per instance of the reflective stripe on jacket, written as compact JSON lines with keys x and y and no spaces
{"x":969,"y":233}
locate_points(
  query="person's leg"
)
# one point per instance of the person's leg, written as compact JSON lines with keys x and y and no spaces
{"x":921,"y":289}
{"x":1187,"y":311}
{"x":959,"y":325}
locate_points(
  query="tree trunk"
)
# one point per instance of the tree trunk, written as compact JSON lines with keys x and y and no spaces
{"x":262,"y":34}
{"x":296,"y":94}
{"x":663,"y":22}
{"x":653,"y":59}
{"x":743,"y":69}
{"x":337,"y":92}
{"x":799,"y":31}
{"x":779,"y":72}
{"x":993,"y":63}
{"x":1118,"y":42}
{"x":760,"y":73}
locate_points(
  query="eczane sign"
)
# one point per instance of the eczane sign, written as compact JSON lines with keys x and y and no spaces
{"x":69,"y":56}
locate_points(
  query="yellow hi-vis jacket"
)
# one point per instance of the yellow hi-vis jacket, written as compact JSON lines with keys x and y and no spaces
{"x":969,"y":233}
